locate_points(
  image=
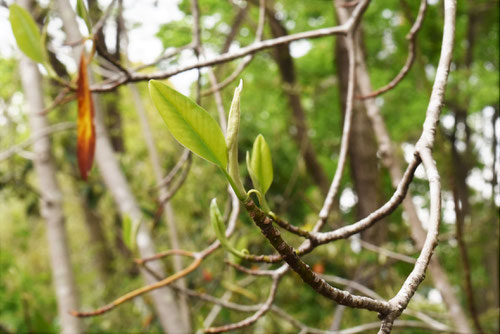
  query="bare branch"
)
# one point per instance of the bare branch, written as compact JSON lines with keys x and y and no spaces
{"x":412,"y":37}
{"x":424,"y":149}
{"x":173,"y":190}
{"x":165,"y":254}
{"x":173,"y":173}
{"x":388,"y":253}
{"x":303,"y":270}
{"x":253,"y":272}
{"x":254,"y":47}
{"x":195,"y":264}
{"x":261,"y":311}
{"x":16,"y":149}
{"x":99,"y":25}
{"x":248,"y":59}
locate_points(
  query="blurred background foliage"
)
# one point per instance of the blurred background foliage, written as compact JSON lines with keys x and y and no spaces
{"x":27,"y":302}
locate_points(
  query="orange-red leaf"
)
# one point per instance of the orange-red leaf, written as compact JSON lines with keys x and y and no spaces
{"x":85,"y":123}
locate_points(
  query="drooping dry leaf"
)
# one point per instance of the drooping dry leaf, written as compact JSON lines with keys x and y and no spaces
{"x":85,"y":123}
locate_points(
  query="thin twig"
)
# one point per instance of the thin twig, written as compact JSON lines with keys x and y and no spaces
{"x":34,"y":137}
{"x":257,"y":315}
{"x":253,"y":272}
{"x":62,"y":98}
{"x":106,"y":86}
{"x":195,"y":264}
{"x":424,"y":149}
{"x":173,"y":173}
{"x":248,"y":59}
{"x":99,"y":25}
{"x":412,"y":38}
{"x":173,"y":190}
{"x":165,"y":254}
{"x":388,"y":253}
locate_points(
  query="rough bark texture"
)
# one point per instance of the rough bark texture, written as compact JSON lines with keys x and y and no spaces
{"x":114,"y":179}
{"x":51,"y":200}
{"x":287,"y":72}
{"x":364,"y":165}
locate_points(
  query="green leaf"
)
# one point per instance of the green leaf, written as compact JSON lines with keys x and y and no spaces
{"x":220,"y":229}
{"x":233,"y":128}
{"x":81,"y":10}
{"x":26,"y":33}
{"x":190,"y":124}
{"x":129,"y":231}
{"x":261,"y":165}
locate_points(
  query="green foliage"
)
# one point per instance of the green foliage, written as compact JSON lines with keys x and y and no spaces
{"x":130,"y":229}
{"x":190,"y":124}
{"x":260,"y":165}
{"x":220,"y":229}
{"x":81,"y":10}
{"x":26,"y":33}
{"x":175,"y":34}
{"x":28,"y":303}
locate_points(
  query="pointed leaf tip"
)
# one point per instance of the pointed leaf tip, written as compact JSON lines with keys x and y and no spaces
{"x":26,"y":33}
{"x":190,"y":124}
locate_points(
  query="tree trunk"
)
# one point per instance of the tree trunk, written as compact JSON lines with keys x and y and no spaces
{"x":103,"y":256}
{"x":391,"y":162}
{"x":114,"y":179}
{"x":287,"y":72}
{"x":364,"y":167}
{"x":168,"y":210}
{"x":51,"y":199}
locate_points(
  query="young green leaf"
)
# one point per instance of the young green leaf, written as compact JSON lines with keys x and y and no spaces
{"x":190,"y":124}
{"x":261,"y":165}
{"x":129,"y":231}
{"x":81,"y":10}
{"x":220,"y":229}
{"x":26,"y":33}
{"x":232,"y":139}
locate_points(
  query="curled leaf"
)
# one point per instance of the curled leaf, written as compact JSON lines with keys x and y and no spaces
{"x":220,"y":229}
{"x":26,"y":32}
{"x":85,"y":123}
{"x":190,"y":124}
{"x":232,"y":140}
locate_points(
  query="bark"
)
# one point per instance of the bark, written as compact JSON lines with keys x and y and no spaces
{"x":103,"y":257}
{"x":51,"y":199}
{"x":114,"y":180}
{"x":168,"y":210}
{"x":362,"y":153}
{"x":288,"y":77}
{"x":392,"y":163}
